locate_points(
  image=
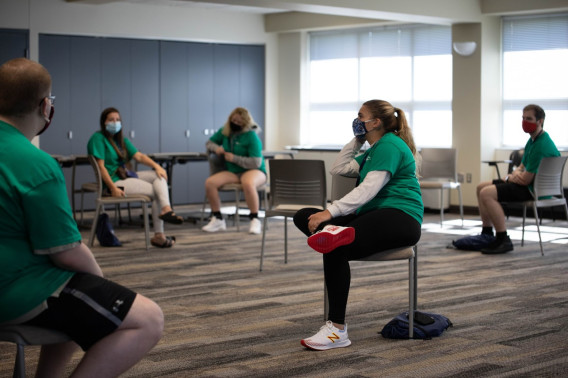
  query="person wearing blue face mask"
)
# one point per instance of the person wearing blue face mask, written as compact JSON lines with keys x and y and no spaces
{"x":113,"y":151}
{"x":382,"y":212}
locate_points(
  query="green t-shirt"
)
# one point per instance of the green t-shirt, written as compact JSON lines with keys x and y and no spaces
{"x":246,"y":144}
{"x":402,"y":191}
{"x":101,"y":148}
{"x":35,"y":220}
{"x":542,"y":146}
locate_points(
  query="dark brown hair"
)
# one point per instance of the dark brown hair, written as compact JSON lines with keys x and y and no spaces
{"x":393,"y":120}
{"x":23,"y":86}
{"x":113,"y":139}
{"x":538,"y":112}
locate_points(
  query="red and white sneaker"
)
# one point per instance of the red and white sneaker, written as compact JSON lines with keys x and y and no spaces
{"x":331,"y":237}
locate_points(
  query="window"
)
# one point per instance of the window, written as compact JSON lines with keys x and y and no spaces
{"x":535,"y":70}
{"x":408,"y":65}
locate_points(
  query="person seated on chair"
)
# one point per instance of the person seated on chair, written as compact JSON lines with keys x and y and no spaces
{"x":382,"y":212}
{"x":113,"y":152}
{"x":238,"y":143}
{"x":48,"y":277}
{"x":516,"y":186}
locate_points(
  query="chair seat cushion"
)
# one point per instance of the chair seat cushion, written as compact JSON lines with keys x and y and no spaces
{"x":403,"y":253}
{"x":30,"y":335}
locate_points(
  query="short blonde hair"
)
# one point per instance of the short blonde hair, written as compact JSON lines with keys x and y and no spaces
{"x":248,"y":121}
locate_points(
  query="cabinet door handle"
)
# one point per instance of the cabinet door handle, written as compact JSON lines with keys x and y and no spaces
{"x":70,"y":135}
{"x":131,"y":134}
{"x":187,"y":133}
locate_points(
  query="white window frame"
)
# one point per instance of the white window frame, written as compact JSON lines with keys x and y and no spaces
{"x":397,"y":41}
{"x":530,"y":39}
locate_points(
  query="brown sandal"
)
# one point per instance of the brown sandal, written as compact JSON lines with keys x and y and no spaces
{"x":168,"y":243}
{"x":171,"y":217}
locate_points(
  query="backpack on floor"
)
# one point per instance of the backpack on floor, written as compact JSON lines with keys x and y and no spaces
{"x":474,"y":242}
{"x":105,"y":232}
{"x":426,"y":326}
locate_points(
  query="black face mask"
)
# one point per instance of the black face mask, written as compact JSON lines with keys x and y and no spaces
{"x":234,"y":127}
{"x":47,"y":121}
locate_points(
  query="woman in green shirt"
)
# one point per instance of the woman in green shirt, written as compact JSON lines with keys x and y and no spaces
{"x":113,"y":152}
{"x":383,"y":211}
{"x":241,"y":149}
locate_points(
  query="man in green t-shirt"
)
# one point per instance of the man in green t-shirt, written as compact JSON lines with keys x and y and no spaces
{"x":48,"y":277}
{"x":518,"y":185}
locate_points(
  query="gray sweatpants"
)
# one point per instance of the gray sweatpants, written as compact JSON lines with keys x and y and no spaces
{"x":149,"y":184}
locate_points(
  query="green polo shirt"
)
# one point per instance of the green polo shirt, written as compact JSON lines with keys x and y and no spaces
{"x":101,"y":148}
{"x":541,"y":147}
{"x":402,"y":191}
{"x":35,"y":221}
{"x":246,"y":144}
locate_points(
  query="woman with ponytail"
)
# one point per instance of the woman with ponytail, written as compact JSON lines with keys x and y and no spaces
{"x":382,"y":212}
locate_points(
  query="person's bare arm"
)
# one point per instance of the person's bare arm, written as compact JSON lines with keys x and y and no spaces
{"x":105,"y":176}
{"x":521,"y":176}
{"x":145,"y":159}
{"x":77,"y":259}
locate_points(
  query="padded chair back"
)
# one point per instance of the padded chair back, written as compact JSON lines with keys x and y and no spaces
{"x":297,"y":182}
{"x":294,"y":184}
{"x":439,"y":163}
{"x":216,"y":163}
{"x":341,"y":185}
{"x":548,"y":180}
{"x":547,"y":191}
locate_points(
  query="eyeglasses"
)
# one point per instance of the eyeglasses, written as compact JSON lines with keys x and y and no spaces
{"x":50,"y":98}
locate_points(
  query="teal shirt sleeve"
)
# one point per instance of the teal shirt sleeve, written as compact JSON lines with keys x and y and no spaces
{"x":61,"y":229}
{"x":543,"y":146}
{"x":130,"y":149}
{"x":101,"y":148}
{"x":255,"y":145}
{"x":218,"y":137}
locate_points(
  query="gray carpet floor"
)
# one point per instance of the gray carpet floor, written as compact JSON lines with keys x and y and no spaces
{"x":225,"y":318}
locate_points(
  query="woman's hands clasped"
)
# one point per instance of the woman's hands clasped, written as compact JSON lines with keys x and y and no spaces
{"x":316,"y":219}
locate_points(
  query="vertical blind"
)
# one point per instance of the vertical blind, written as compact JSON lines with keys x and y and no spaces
{"x":397,"y":63}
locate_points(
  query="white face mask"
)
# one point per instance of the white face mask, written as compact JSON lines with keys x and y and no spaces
{"x":113,"y":127}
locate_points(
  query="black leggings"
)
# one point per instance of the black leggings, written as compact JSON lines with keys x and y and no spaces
{"x":375,"y":231}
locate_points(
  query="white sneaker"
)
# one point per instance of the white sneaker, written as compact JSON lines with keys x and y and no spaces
{"x":214,"y":225}
{"x":255,"y":226}
{"x":328,"y":337}
{"x":331,"y":237}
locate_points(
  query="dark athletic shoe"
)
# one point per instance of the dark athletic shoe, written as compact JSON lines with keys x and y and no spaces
{"x":505,"y":246}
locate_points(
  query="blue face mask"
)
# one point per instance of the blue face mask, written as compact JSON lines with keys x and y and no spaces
{"x":113,"y":127}
{"x":359,"y":128}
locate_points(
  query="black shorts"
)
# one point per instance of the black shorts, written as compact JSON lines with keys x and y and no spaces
{"x":88,"y":309}
{"x":509,"y":192}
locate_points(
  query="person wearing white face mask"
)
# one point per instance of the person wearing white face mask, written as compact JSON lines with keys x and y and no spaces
{"x":113,"y":151}
{"x":515,"y":187}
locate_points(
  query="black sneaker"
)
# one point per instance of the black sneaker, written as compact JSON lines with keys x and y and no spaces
{"x":505,"y":246}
